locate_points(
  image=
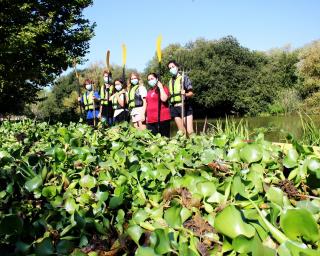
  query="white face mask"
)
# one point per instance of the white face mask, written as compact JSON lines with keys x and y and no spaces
{"x":107,"y":79}
{"x":134,"y":81}
{"x":89,"y":87}
{"x":118,"y":87}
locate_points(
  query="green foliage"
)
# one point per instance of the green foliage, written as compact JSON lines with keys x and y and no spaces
{"x":78,"y":191}
{"x":39,"y":41}
{"x":229,"y":78}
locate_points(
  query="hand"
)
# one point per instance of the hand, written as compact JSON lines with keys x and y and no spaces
{"x":160,"y":85}
{"x":93,"y":97}
{"x":122,"y":91}
{"x":183,"y":92}
{"x":99,"y":115}
{"x":79,"y":99}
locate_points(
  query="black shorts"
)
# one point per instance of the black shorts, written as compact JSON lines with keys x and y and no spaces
{"x":164,"y":128}
{"x":176,"y":111}
{"x":107,"y":111}
{"x":122,"y":117}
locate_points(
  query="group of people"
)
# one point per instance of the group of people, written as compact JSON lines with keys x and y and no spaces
{"x":151,"y":109}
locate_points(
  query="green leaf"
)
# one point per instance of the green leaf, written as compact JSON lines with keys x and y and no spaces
{"x":135,"y":233}
{"x":297,"y":223}
{"x":70,"y":206}
{"x":115,"y":201}
{"x":172,"y":216}
{"x":140,"y":216}
{"x":44,"y":248}
{"x":87,"y":181}
{"x":34,"y":183}
{"x":49,"y":191}
{"x":251,"y":153}
{"x":59,"y":154}
{"x":145,"y":251}
{"x":11,"y":224}
{"x":230,"y":223}
{"x":275,"y":195}
{"x":233,"y":155}
{"x":163,"y":243}
{"x":291,"y":159}
{"x":206,"y":189}
{"x":65,"y":247}
{"x":208,"y":155}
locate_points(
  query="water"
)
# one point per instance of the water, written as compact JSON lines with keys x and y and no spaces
{"x":275,"y":128}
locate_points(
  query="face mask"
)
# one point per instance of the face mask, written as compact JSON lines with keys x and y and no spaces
{"x":174,"y":71}
{"x":152,"y":82}
{"x":118,"y":87}
{"x":89,"y":87}
{"x":134,"y":81}
{"x":107,"y":79}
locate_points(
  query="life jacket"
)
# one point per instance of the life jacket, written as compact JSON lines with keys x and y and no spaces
{"x":88,"y":101}
{"x":175,"y":89}
{"x":135,"y":99}
{"x":115,"y":103}
{"x":105,"y":94}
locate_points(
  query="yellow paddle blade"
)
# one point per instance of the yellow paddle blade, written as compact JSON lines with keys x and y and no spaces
{"x":159,"y":40}
{"x":124,"y":54}
{"x":108,"y":60}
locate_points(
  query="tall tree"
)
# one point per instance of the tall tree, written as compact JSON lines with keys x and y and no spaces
{"x":40,"y":38}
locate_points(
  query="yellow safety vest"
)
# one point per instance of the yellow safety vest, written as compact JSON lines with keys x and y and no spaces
{"x":105,"y":95}
{"x":88,"y":101}
{"x":134,"y":99}
{"x":175,"y":90}
{"x":115,"y":103}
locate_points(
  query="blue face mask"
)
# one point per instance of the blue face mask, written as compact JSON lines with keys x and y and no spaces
{"x":152,"y":82}
{"x":174,"y":71}
{"x":134,"y":81}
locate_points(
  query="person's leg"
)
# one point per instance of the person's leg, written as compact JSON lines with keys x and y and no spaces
{"x":178,"y":121}
{"x":141,"y":125}
{"x":153,"y":128}
{"x":165,"y":128}
{"x":189,"y":122}
{"x":90,"y":122}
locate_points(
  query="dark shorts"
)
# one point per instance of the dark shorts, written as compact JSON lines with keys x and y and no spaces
{"x":122,"y":117}
{"x":176,"y":111}
{"x":91,"y":122}
{"x":164,"y":128}
{"x":107,"y":115}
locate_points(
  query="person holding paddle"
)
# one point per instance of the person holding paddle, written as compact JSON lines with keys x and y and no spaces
{"x":155,"y":123}
{"x":180,"y":88}
{"x":90,"y":100}
{"x":106,"y":111}
{"x":118,"y":100}
{"x":137,"y":101}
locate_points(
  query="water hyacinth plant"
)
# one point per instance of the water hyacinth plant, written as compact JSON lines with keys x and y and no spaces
{"x":72,"y":190}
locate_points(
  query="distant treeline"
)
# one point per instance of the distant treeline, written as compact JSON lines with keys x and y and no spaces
{"x":228,"y":79}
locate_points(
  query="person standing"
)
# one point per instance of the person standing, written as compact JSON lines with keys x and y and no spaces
{"x":106,"y":111}
{"x":90,"y":100}
{"x":119,"y":103}
{"x":177,"y":91}
{"x":155,"y":123}
{"x":137,"y":94}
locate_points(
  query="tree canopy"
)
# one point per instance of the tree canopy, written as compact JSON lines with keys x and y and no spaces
{"x":40,"y":39}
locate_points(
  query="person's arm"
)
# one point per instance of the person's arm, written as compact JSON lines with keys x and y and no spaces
{"x":163,"y":95}
{"x":120,"y":98}
{"x":187,"y":88}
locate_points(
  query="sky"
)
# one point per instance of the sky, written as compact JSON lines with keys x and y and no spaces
{"x":256,"y":24}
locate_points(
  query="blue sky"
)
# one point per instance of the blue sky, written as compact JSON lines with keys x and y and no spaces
{"x":257,"y":24}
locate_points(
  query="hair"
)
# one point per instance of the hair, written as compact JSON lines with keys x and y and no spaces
{"x":154,"y":75}
{"x":173,"y":62}
{"x":106,"y":71}
{"x":135,"y":74}
{"x":87,"y":81}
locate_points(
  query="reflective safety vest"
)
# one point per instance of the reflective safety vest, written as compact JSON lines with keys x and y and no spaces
{"x":115,"y":103}
{"x":135,"y":99}
{"x":175,"y":90}
{"x":88,"y":101}
{"x":105,"y":94}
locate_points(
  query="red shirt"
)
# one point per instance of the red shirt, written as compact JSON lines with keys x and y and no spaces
{"x":152,"y":106}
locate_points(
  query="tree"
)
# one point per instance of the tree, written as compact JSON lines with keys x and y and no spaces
{"x":309,"y":69}
{"x":40,"y":38}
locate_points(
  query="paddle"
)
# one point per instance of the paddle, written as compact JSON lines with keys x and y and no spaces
{"x":158,"y":45}
{"x":124,"y":58}
{"x":79,"y":89}
{"x":108,"y":91}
